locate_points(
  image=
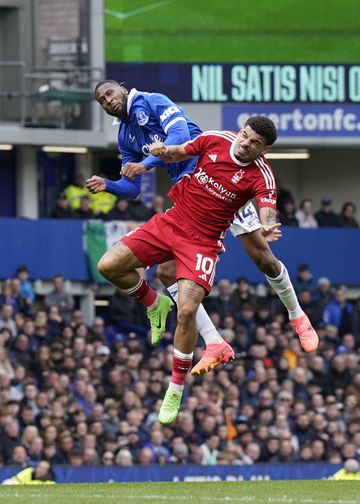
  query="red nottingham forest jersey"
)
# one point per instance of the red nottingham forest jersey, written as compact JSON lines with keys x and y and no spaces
{"x":208,"y":199}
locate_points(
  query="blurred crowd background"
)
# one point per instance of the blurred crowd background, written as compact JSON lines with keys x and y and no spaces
{"x":79,"y":395}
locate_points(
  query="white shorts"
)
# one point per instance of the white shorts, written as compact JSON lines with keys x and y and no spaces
{"x":246,"y":221}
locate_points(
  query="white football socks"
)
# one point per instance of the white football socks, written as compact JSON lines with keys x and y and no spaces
{"x":285,"y":290}
{"x":203,"y":322}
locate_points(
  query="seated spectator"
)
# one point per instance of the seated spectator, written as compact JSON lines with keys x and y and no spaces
{"x":6,"y":368}
{"x":26,"y":290}
{"x":121,"y":211}
{"x":242,"y":294}
{"x":338,"y":312}
{"x":347,"y":216}
{"x":283,"y":196}
{"x":60,"y":298}
{"x":7,"y":319}
{"x":305,"y":215}
{"x":304,"y":279}
{"x":355,"y":320}
{"x":41,"y":474}
{"x":84,"y":211}
{"x":62,"y":208}
{"x":102,"y":203}
{"x":75,"y":191}
{"x":124,"y":308}
{"x":140,"y":211}
{"x":287,"y":216}
{"x":326,"y":217}
{"x":350,"y":471}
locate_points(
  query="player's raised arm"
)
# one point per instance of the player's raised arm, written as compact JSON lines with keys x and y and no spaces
{"x":169,"y":153}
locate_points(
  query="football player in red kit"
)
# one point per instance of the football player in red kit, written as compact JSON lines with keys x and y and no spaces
{"x":230,"y":171}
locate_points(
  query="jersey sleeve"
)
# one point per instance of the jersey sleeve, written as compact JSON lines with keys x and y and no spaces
{"x":173,"y":122}
{"x":124,"y":188}
{"x":198,"y":145}
{"x":265,"y":186}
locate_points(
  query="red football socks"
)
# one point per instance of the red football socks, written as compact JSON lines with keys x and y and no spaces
{"x":143,"y":293}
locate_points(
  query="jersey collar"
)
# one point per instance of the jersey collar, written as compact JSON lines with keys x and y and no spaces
{"x":232,"y":155}
{"x":131,"y":96}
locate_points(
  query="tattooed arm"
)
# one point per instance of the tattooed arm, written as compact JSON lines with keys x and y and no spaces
{"x":270,"y":229}
{"x":267,"y":216}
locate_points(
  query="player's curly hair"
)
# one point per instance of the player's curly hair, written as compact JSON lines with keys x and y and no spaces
{"x":108,"y":81}
{"x":263,"y":126}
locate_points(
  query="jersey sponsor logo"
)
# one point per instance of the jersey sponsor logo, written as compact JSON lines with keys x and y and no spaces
{"x":213,"y":186}
{"x":142,"y":118}
{"x":153,"y":138}
{"x":237,"y":176}
{"x":213,"y":157}
{"x":268,"y":200}
{"x":168,"y":112}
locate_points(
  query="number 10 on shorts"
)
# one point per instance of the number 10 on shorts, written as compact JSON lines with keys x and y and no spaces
{"x":204,"y":264}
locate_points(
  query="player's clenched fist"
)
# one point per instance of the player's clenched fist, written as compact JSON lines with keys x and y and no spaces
{"x":131,"y":170}
{"x":95,"y":184}
{"x":158,"y":149}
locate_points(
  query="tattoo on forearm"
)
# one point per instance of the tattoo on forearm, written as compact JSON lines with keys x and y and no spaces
{"x":270,"y":217}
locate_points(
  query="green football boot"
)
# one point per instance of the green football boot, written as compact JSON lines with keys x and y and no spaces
{"x":157,"y":317}
{"x":170,"y":406}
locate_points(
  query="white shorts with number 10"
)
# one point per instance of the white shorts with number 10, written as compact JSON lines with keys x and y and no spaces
{"x":246,"y":221}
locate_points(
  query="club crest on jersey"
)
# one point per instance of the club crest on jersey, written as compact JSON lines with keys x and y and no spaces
{"x":142,"y":118}
{"x":237,"y":176}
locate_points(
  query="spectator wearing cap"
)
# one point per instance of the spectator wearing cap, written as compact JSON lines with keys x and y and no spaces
{"x":326,"y":217}
{"x":62,"y":208}
{"x":305,"y":215}
{"x":339,"y":311}
{"x":347,"y":215}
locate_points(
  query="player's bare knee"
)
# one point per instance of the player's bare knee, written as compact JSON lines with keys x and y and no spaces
{"x":105,"y":267}
{"x":186,"y":313}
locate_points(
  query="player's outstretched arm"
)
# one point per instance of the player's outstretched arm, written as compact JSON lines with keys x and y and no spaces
{"x":270,"y":228}
{"x":169,"y":153}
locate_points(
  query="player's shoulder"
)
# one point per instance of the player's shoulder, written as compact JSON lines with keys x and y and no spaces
{"x":220,"y":135}
{"x":264,"y":172}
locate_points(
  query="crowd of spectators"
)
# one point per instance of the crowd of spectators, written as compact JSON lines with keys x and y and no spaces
{"x":305,"y":216}
{"x":80,"y":395}
{"x":76,"y":202}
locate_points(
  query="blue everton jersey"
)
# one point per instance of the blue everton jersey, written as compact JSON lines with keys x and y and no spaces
{"x":153,"y":117}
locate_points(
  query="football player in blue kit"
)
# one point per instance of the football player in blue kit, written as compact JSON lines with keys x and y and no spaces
{"x":145,"y":118}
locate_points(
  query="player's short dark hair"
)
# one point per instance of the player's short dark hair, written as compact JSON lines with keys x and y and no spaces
{"x":107,"y":81}
{"x":263,"y":126}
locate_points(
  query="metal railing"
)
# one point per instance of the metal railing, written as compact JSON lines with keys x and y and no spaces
{"x":57,"y":96}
